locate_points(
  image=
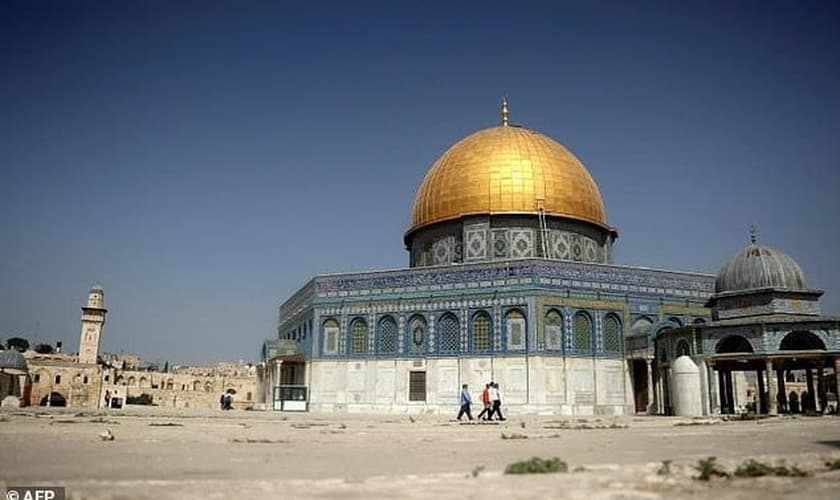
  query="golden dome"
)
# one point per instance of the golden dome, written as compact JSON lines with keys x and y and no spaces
{"x":507,"y":170}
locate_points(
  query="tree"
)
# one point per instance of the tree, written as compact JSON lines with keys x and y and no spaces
{"x":44,"y":349}
{"x":18,"y":343}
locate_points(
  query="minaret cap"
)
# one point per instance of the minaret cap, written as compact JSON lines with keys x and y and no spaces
{"x":505,"y":112}
{"x":753,"y":237}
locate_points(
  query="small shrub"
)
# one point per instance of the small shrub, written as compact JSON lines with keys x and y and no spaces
{"x":514,"y":436}
{"x":833,"y":464}
{"x":665,"y":469}
{"x":537,"y":465}
{"x":753,"y":468}
{"x":477,"y":470}
{"x":792,"y":471}
{"x":709,"y":469}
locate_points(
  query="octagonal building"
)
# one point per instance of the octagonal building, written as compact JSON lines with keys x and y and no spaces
{"x":511,"y":279}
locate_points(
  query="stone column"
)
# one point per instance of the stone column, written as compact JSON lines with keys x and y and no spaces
{"x":821,"y":403}
{"x":837,"y":380}
{"x":772,"y":393}
{"x":650,"y":397}
{"x":730,"y":392}
{"x":780,"y":376}
{"x":660,"y":393}
{"x":714,"y":390}
{"x":761,"y":399}
{"x":267,"y":384}
{"x":809,"y":377}
{"x":724,"y":404}
{"x":279,"y":379}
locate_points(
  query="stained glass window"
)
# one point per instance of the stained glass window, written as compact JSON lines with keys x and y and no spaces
{"x":449,"y":334}
{"x":416,"y":335}
{"x":358,"y":344}
{"x":481,"y":332}
{"x":612,"y":334}
{"x":515,"y":326}
{"x":331,"y":336}
{"x":388,"y":335}
{"x":553,"y":330}
{"x":583,"y":331}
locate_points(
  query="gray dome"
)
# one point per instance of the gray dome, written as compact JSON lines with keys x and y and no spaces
{"x":11,"y":360}
{"x":758,"y":266}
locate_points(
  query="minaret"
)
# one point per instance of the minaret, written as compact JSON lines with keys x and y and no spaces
{"x":93,"y":317}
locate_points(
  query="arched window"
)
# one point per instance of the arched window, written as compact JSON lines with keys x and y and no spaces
{"x":387,"y":335}
{"x":208,"y":387}
{"x":449,"y":334}
{"x":677,"y":321}
{"x":553,"y":330}
{"x":359,"y":336}
{"x":612,"y":333}
{"x":143,"y":382}
{"x":583,"y":332}
{"x":416,"y":341}
{"x":515,"y":329}
{"x":331,"y":330}
{"x":130,"y":380}
{"x":169,"y":384}
{"x":196,"y":385}
{"x":481,"y":340}
{"x":683,"y":348}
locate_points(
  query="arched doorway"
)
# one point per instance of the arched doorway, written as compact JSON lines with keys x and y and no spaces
{"x":54,"y":399}
{"x":805,"y":373}
{"x":731,"y":344}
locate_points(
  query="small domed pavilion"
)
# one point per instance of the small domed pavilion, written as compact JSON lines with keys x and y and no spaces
{"x":765,"y":320}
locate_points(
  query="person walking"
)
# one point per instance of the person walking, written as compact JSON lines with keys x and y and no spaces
{"x":485,"y":399}
{"x":466,"y":401}
{"x":496,"y":401}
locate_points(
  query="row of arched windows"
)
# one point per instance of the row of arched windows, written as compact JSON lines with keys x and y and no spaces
{"x":553,"y":337}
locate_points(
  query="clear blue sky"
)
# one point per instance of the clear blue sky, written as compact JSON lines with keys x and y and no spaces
{"x":202,"y":160}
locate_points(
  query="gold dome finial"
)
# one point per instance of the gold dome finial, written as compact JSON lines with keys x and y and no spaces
{"x":505,"y":112}
{"x":753,"y":237}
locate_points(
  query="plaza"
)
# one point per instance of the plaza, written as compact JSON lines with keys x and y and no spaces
{"x":169,"y":454}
